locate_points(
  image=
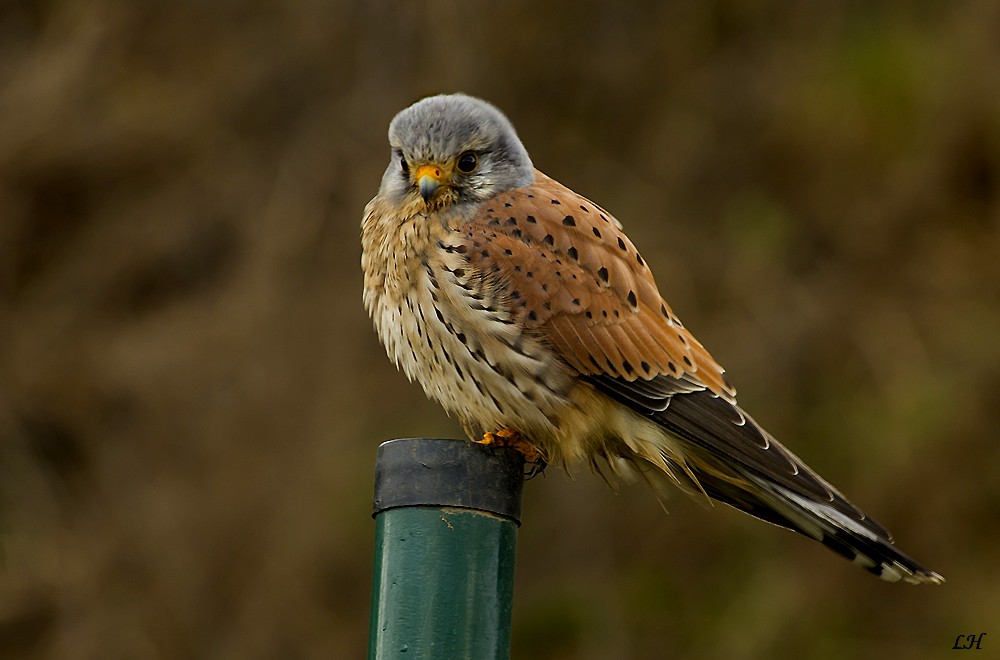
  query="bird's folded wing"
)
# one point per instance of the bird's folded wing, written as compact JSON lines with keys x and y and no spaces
{"x":726,"y":432}
{"x":573,"y":277}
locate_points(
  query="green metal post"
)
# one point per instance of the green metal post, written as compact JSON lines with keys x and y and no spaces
{"x":446,"y":516}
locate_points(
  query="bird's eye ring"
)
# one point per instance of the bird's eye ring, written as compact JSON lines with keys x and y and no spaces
{"x":403,"y":165}
{"x":467,"y":162}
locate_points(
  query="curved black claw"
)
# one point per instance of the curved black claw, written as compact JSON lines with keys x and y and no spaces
{"x":534,"y":468}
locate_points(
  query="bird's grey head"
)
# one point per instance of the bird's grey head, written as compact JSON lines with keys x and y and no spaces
{"x":452,"y":149}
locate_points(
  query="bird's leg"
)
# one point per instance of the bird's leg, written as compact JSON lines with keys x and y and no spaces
{"x":509,"y":437}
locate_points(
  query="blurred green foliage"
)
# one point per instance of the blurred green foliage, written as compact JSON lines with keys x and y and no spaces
{"x":191,"y":394}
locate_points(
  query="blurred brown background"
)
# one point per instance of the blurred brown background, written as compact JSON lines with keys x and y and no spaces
{"x":191,"y":394}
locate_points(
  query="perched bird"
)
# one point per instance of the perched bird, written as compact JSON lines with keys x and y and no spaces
{"x":525,"y":310}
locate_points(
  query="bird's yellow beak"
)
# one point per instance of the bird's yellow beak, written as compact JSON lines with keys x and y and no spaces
{"x":429,"y":179}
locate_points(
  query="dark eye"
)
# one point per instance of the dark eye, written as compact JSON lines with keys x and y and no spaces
{"x":467,"y":162}
{"x":403,"y":166}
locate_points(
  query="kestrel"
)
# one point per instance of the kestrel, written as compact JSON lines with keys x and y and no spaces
{"x":525,"y":310}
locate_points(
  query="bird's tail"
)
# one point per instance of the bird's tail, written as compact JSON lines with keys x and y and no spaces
{"x":707,"y":444}
{"x":865,"y":542}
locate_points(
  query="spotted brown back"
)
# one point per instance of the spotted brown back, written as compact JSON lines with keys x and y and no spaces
{"x":575,"y":277}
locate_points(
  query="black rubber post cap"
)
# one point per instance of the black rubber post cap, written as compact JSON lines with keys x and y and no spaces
{"x":439,"y":472}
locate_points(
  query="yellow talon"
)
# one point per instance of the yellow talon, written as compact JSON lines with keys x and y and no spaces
{"x":509,"y":437}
